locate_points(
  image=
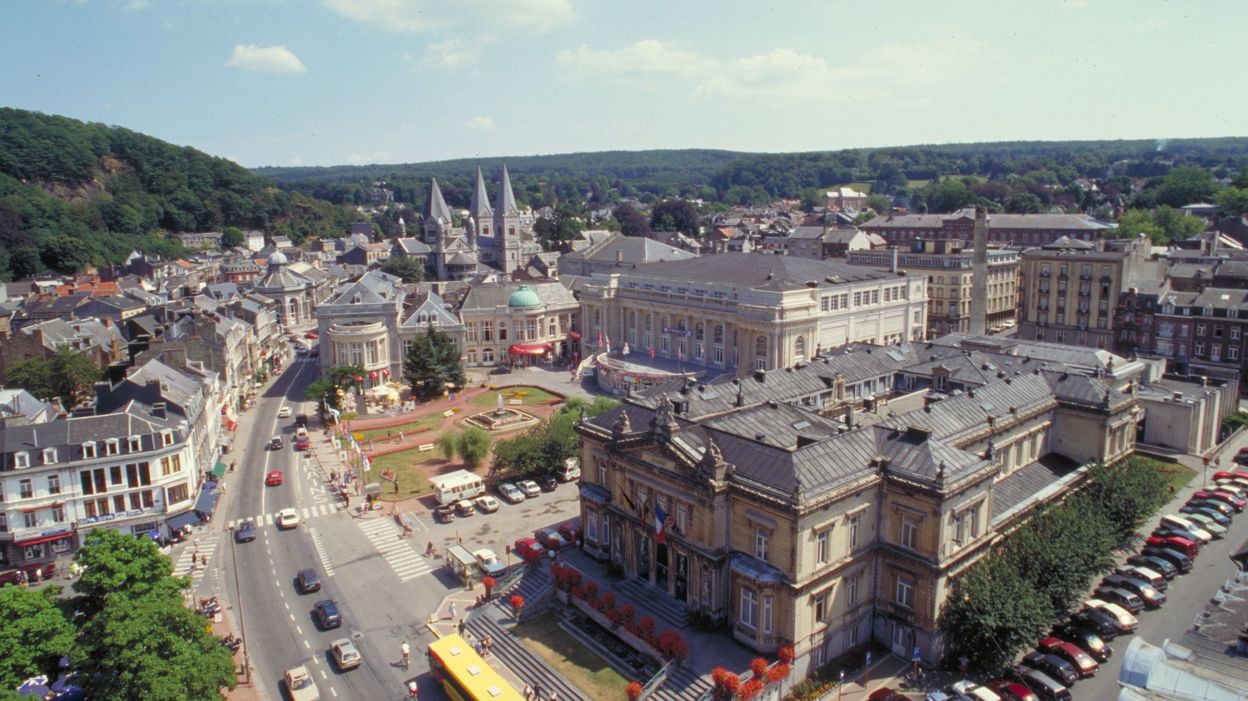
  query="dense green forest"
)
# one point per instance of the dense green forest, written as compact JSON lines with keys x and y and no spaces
{"x":997,"y":173}
{"x":74,"y":194}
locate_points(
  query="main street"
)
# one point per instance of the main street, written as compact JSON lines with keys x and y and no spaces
{"x":384,"y":586}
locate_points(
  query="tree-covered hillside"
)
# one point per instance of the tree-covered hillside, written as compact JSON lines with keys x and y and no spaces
{"x":74,"y":194}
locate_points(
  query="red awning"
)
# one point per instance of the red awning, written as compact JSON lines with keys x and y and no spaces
{"x":372,"y":375}
{"x":574,"y":335}
{"x":43,"y":539}
{"x":529,"y":349}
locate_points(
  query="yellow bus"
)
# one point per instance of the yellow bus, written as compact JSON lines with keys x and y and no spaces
{"x":455,"y":665}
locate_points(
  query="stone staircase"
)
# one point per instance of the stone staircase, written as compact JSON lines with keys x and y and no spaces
{"x":522,"y":661}
{"x":682,"y":685}
{"x":530,"y":585}
{"x":643,"y":596}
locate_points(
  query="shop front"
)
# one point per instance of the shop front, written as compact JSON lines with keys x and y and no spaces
{"x":526,"y":354}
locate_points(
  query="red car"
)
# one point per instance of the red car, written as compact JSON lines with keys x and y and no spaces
{"x":1174,"y":542}
{"x":1011,"y":691}
{"x":1224,"y":497}
{"x":311,"y":334}
{"x":529,"y":549}
{"x":303,"y":443}
{"x":1080,"y":660}
{"x":273,"y":479}
{"x":1230,"y":475}
{"x":571,"y":533}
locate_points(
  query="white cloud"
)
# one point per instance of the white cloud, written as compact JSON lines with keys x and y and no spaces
{"x":648,"y":58}
{"x":265,"y":59}
{"x":295,"y":161}
{"x":780,"y":73}
{"x":357,"y":158}
{"x":136,"y":5}
{"x":480,"y":124}
{"x":453,"y":53}
{"x":425,"y":15}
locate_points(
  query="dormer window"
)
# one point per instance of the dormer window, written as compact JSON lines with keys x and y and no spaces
{"x":136,"y":444}
{"x":166,"y":437}
{"x":112,"y":446}
{"x":88,"y":449}
{"x":21,"y":460}
{"x":49,"y":456}
{"x":1208,"y":310}
{"x":1167,"y":308}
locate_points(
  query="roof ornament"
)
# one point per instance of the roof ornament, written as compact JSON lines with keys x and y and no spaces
{"x":1105,"y":401}
{"x":712,"y":464}
{"x":940,"y":471}
{"x":621,"y":426}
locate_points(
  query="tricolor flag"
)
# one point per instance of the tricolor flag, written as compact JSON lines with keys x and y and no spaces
{"x":652,"y":351}
{"x":660,"y":521}
{"x":625,"y":351}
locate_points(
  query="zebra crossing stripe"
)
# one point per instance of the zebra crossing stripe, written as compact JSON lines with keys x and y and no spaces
{"x":398,"y":553}
{"x":326,"y":566}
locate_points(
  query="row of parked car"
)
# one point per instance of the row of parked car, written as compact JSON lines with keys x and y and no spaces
{"x":1075,"y":649}
{"x":511,"y":492}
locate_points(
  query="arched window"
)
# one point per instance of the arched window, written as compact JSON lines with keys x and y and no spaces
{"x":471,"y":358}
{"x":700,"y":331}
{"x":760,"y":346}
{"x":487,"y":355}
{"x":719,"y":334}
{"x":799,"y":348}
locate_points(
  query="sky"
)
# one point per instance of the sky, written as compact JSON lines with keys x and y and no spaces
{"x":332,"y":82}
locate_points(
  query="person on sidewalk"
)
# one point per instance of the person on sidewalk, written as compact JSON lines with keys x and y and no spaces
{"x":454,"y":611}
{"x":528,"y":692}
{"x":461,"y":626}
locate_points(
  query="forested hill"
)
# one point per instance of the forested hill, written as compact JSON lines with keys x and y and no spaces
{"x":74,"y":194}
{"x":745,"y":178}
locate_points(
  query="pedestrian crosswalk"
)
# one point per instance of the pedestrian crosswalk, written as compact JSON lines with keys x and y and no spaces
{"x":326,"y":565}
{"x":398,"y":552}
{"x":305,"y":513}
{"x":196,"y":556}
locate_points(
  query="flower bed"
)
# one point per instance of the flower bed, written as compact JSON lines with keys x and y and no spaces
{"x":608,"y":611}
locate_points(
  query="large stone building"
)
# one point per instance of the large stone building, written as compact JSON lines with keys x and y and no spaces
{"x":1069,"y":290}
{"x":790,"y":528}
{"x":739,"y":312}
{"x":1199,"y":333}
{"x":519,"y":324}
{"x":359,"y":325}
{"x":1005,"y":229}
{"x":949,"y":269}
{"x":500,"y":236}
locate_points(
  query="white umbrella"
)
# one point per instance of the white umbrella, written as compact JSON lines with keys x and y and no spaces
{"x":35,"y":686}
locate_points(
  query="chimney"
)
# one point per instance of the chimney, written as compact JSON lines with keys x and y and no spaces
{"x":619,"y":257}
{"x":760,"y":375}
{"x":979,"y":275}
{"x":158,"y":410}
{"x":893,"y":264}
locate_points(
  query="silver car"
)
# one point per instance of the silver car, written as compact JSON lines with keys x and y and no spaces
{"x":530,"y":488}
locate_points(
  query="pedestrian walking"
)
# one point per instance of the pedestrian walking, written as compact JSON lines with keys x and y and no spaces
{"x":537,"y":690}
{"x":461,"y":626}
{"x":528,"y":692}
{"x":407,"y":654}
{"x":38,"y":575}
{"x":454,"y":611}
{"x":553,"y":695}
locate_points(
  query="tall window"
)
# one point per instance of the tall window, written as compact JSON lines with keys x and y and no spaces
{"x":821,"y":547}
{"x":767,"y":607}
{"x":54,"y":484}
{"x":26,"y":489}
{"x":799,"y":348}
{"x":821,"y":608}
{"x":749,"y":608}
{"x":853,"y":531}
{"x":905,"y":592}
{"x":908,"y":530}
{"x":760,"y":544}
{"x":760,"y":353}
{"x":851,"y":589}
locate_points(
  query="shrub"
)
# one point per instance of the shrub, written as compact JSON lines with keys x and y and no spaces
{"x":516,"y":601}
{"x":608,"y":600}
{"x":633,"y":690}
{"x":726,"y":683}
{"x":785,"y":653}
{"x":627,"y":612}
{"x":780,"y":671}
{"x":646,"y":625}
{"x":591,"y":590}
{"x":759,"y":667}
{"x":750,"y":689}
{"x":670,"y":642}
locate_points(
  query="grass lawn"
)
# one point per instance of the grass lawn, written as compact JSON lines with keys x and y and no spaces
{"x":1176,"y":475}
{"x":405,"y":464}
{"x":424,"y":423}
{"x":530,"y":396}
{"x":576,"y":663}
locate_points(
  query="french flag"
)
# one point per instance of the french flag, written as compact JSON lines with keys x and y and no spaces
{"x":660,"y":522}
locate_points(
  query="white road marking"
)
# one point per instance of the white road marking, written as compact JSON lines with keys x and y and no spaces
{"x":326,"y":565}
{"x":292,"y":618}
{"x":324,"y":675}
{"x":305,"y":644}
{"x":299,"y":630}
{"x":398,"y":552}
{"x":333,"y":691}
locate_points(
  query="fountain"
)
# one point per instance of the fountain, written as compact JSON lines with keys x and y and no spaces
{"x":502,"y":418}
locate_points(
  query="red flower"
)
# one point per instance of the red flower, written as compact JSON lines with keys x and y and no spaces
{"x":633,"y":690}
{"x":750,"y":689}
{"x":627,"y":612}
{"x":608,"y":600}
{"x":786,"y":654}
{"x":780,"y":671}
{"x":726,"y":683}
{"x":646,"y":624}
{"x":516,"y":601}
{"x":759,"y":667}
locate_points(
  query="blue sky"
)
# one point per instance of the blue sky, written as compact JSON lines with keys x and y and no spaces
{"x":324,"y":82}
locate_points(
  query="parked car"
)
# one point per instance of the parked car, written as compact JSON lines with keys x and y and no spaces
{"x":284,"y":412}
{"x":1187,"y":524}
{"x":1044,"y":686}
{"x":1208,"y":523}
{"x":311,"y":335}
{"x":1011,"y":691}
{"x":1126,"y":621}
{"x":1151,"y":597}
{"x":1086,"y":639}
{"x":444,"y":513}
{"x":327,"y":614}
{"x":548,"y":483}
{"x":303,"y":443}
{"x":571,"y":532}
{"x":275,"y":443}
{"x":1122,"y":597}
{"x":550,"y":538}
{"x":487,"y":504}
{"x":1165,"y":531}
{"x":1155,"y":579}
{"x":1179,"y":560}
{"x":1157,"y":564}
{"x":1225,"y":497}
{"x":965,"y":690}
{"x":1217,"y":505}
{"x":1053,"y":666}
{"x":346,"y":655}
{"x":510,"y":493}
{"x":1083,"y":663}
{"x":288,"y":518}
{"x":273,"y":479}
{"x":465,"y":508}
{"x":307,"y":581}
{"x":530,"y":488}
{"x":489,"y":562}
{"x":300,"y":685}
{"x":1233,"y":474}
{"x":1099,"y":622}
{"x":246,"y":532}
{"x":885,"y":694}
{"x":529,"y":548}
{"x":1183,"y":545}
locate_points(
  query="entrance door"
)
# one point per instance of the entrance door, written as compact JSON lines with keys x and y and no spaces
{"x":902,"y":642}
{"x":643,"y":558}
{"x":660,"y":566}
{"x":682,"y":577}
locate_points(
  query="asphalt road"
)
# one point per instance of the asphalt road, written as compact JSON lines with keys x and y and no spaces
{"x":384,"y":586}
{"x":1185,"y":599}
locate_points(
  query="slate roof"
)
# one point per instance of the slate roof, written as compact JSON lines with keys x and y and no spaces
{"x":375,"y":287}
{"x":68,"y":434}
{"x":19,"y":402}
{"x":435,"y":206}
{"x":411,"y":247}
{"x":479,"y":205}
{"x":506,"y":198}
{"x":999,"y":221}
{"x":631,"y":250}
{"x":1026,"y":482}
{"x":495,"y":295}
{"x":748,"y":270}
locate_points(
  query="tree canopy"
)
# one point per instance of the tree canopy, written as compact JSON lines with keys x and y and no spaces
{"x":432,"y":365}
{"x":34,"y":634}
{"x":68,"y":374}
{"x":406,"y":268}
{"x":544,"y":447}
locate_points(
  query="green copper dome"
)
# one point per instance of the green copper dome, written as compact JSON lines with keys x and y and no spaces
{"x":524,"y":297}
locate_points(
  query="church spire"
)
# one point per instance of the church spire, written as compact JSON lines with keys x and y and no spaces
{"x":479,"y":207}
{"x":506,"y":198}
{"x":435,"y":206}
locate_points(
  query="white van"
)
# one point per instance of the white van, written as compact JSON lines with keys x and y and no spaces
{"x":1185,"y":524}
{"x":456,"y":486}
{"x":571,"y":470}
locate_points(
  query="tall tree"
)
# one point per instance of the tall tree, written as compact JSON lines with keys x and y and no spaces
{"x":675,"y":215}
{"x":34,"y":634}
{"x":632,"y":222}
{"x":993,"y":614}
{"x":432,"y":365}
{"x":406,"y":268}
{"x":1186,"y":185}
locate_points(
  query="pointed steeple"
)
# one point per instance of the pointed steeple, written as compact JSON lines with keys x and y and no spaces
{"x":479,"y":207}
{"x":435,"y":206}
{"x":506,"y":198}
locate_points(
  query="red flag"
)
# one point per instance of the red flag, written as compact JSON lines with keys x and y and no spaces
{"x":652,"y":351}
